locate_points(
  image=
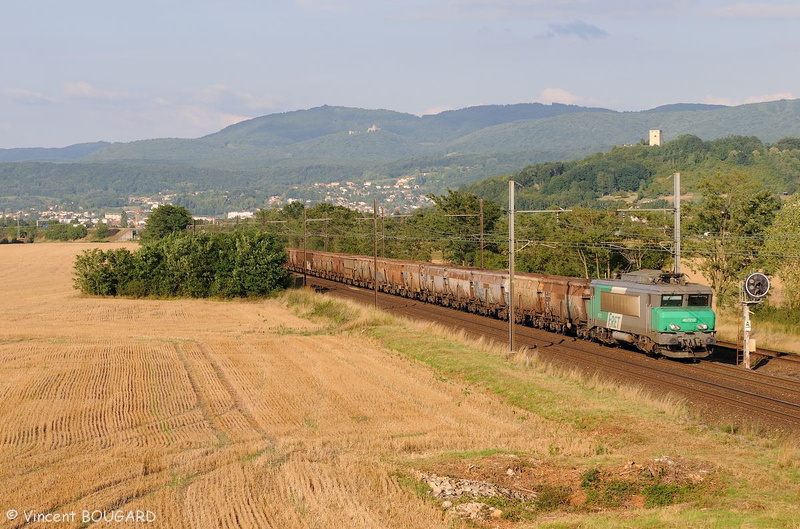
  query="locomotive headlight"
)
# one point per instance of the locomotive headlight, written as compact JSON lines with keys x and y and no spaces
{"x":674,"y":327}
{"x":702,"y":326}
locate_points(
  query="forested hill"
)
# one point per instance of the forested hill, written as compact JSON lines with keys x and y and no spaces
{"x":286,"y":154}
{"x":73,"y":152}
{"x":642,"y":174}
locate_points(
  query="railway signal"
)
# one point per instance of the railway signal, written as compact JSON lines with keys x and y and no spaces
{"x":753,"y":290}
{"x":756,"y":285}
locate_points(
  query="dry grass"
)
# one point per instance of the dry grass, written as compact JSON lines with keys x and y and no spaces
{"x":530,"y":359}
{"x":591,"y":422}
{"x":243,"y":414}
{"x":775,"y":336}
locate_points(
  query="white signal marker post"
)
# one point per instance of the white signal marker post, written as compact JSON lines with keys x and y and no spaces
{"x":747,"y":346}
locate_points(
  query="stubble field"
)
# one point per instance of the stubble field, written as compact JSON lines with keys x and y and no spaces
{"x":212,"y":414}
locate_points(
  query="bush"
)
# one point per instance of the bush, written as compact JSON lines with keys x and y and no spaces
{"x":552,"y":497}
{"x":662,"y":494}
{"x":228,"y":265}
{"x":65,"y":232}
{"x":91,"y":273}
{"x":102,"y":231}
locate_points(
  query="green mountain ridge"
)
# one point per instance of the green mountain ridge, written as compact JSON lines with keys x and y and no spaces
{"x":273,"y":154}
{"x":73,"y":152}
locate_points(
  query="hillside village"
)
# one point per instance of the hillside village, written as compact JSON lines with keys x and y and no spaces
{"x":403,"y":195}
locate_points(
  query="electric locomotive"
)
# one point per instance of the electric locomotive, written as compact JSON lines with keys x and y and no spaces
{"x":658,"y":312}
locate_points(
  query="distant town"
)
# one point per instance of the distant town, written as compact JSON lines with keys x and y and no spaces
{"x":401,"y":196}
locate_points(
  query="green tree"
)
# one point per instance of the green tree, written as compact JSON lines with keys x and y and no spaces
{"x":457,"y":220}
{"x":590,"y":243}
{"x":294,"y":209}
{"x":543,"y":247}
{"x":727,"y":224}
{"x":781,"y":252}
{"x":338,"y":229}
{"x":586,"y":235}
{"x":165,"y":220}
{"x":102,"y":231}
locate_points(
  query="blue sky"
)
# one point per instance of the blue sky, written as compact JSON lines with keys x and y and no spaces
{"x":125,"y":70}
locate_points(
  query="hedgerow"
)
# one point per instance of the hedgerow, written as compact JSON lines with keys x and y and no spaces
{"x":240,"y":264}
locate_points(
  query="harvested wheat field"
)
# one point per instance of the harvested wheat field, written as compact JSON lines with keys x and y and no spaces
{"x":206,"y":414}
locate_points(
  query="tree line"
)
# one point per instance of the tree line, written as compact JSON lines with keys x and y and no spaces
{"x":733,"y":225}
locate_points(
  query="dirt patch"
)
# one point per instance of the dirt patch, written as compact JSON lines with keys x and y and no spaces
{"x":516,"y":488}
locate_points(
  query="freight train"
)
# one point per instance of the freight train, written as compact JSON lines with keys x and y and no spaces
{"x":657,"y":312}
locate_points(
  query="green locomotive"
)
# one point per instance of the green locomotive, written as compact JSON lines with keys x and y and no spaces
{"x":657,"y":312}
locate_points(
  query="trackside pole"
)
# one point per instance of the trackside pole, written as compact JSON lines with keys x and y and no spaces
{"x":677,"y":204}
{"x":375,"y":249}
{"x":481,"y":214}
{"x":511,"y":244}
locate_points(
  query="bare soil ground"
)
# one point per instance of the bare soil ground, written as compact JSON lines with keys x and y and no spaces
{"x":213,"y":414}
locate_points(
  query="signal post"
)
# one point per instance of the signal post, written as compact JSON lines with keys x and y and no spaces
{"x":754,"y":290}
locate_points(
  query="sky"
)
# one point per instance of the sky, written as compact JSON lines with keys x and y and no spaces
{"x":126,"y":70}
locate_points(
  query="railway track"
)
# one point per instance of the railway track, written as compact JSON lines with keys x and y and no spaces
{"x":730,"y":351}
{"x":727,"y":394}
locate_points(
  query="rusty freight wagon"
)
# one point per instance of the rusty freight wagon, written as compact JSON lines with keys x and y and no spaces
{"x":555,"y":303}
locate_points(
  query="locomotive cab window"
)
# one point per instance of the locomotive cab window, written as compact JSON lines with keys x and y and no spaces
{"x":699,"y":300}
{"x":671,"y":300}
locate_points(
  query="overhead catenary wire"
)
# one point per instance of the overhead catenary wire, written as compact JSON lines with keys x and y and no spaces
{"x":644,"y":237}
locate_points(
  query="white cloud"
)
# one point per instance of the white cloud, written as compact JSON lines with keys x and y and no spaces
{"x":433,"y":111}
{"x":323,"y":5}
{"x":26,"y":97}
{"x":558,"y":95}
{"x":714,"y":100}
{"x":757,"y":10}
{"x":88,"y":113}
{"x":201,"y":120}
{"x":84,"y":90}
{"x":578,"y":29}
{"x":227,"y":97}
{"x":198,"y":111}
{"x":514,"y":9}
